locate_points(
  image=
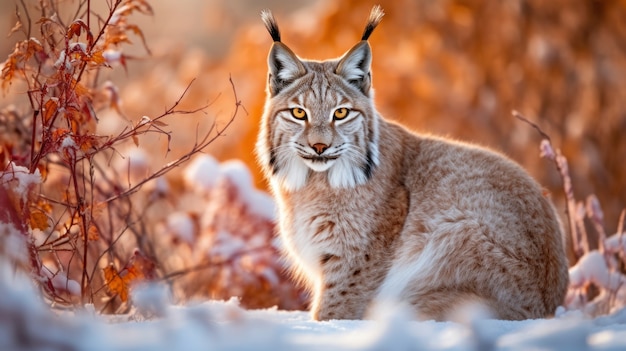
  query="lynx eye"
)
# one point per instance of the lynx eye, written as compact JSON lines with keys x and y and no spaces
{"x":298,"y":113}
{"x":341,"y":113}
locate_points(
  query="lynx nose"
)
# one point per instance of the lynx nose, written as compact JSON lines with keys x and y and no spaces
{"x":319,"y":148}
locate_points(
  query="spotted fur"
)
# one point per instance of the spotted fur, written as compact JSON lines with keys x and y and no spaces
{"x":369,"y":210}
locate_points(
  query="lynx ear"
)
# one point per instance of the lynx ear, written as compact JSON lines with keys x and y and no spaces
{"x":354,"y":66}
{"x":284,"y":66}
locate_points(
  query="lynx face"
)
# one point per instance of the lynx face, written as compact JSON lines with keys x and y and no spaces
{"x":319,"y":117}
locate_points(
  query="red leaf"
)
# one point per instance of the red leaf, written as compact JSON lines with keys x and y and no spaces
{"x":75,"y":28}
{"x":49,"y":110}
{"x":97,"y":58}
{"x":93,"y":233}
{"x":38,"y":220}
{"x":115,"y":283}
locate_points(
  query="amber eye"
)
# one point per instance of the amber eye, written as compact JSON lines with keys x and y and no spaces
{"x":298,"y":113}
{"x":341,"y":113}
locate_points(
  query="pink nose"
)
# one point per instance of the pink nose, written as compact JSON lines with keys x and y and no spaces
{"x":319,"y":148}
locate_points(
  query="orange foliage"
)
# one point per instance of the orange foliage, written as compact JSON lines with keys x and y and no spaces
{"x":138,"y":269}
{"x":38,"y":220}
{"x":459,"y":68}
{"x":454,"y":68}
{"x":116,"y":283}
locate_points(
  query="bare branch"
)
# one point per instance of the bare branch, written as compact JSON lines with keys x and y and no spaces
{"x":580,"y":241}
{"x":29,"y":27}
{"x":521,"y":117}
{"x":198,"y":146}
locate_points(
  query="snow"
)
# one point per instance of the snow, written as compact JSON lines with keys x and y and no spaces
{"x":12,"y":243}
{"x":21,"y":179}
{"x":135,"y":163}
{"x":144,"y":120}
{"x":204,"y":173}
{"x":68,"y":146}
{"x":26,"y":323}
{"x":81,"y":47}
{"x":225,"y":246}
{"x":260,"y":202}
{"x":181,"y":225}
{"x":112,"y":56}
{"x":62,"y":61}
{"x":60,"y":282}
{"x":238,"y":173}
{"x":600,"y":270}
{"x":158,"y":186}
{"x":590,"y":266}
{"x":156,"y":323}
{"x":151,"y":300}
{"x":615,"y":243}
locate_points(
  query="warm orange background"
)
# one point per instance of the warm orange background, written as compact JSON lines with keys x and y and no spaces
{"x":455,"y":68}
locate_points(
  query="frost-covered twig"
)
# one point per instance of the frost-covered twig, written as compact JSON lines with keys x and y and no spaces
{"x":580,"y":241}
{"x":597,"y":281}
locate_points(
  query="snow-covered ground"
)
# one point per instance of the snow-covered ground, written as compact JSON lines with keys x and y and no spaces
{"x":27,"y":323}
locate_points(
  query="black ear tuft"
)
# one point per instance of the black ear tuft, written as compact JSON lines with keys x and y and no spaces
{"x":376,"y":15}
{"x":284,"y":65}
{"x":270,"y":23}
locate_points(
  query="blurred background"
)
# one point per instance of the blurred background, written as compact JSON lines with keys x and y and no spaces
{"x":451,"y":67}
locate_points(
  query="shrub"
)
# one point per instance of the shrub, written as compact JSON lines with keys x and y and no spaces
{"x":83,"y":221}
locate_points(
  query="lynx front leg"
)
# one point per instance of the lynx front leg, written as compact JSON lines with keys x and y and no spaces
{"x":345,"y":291}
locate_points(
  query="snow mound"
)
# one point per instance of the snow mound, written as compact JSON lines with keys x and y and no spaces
{"x":26,"y":323}
{"x":598,"y":269}
{"x":182,"y":226}
{"x":19,"y":179}
{"x":134,"y":164}
{"x":592,"y":267}
{"x":204,"y":173}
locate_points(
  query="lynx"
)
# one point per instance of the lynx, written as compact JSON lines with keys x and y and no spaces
{"x":369,"y":210}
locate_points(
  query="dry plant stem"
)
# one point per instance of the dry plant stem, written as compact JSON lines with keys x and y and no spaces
{"x":112,"y":9}
{"x":620,"y":224}
{"x":211,"y":264}
{"x":88,"y":14}
{"x":620,"y":234}
{"x":580,"y":240}
{"x":28,"y":31}
{"x":110,"y":249}
{"x":36,"y":156}
{"x":80,"y":208}
{"x":522,"y":118}
{"x":595,"y":214}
